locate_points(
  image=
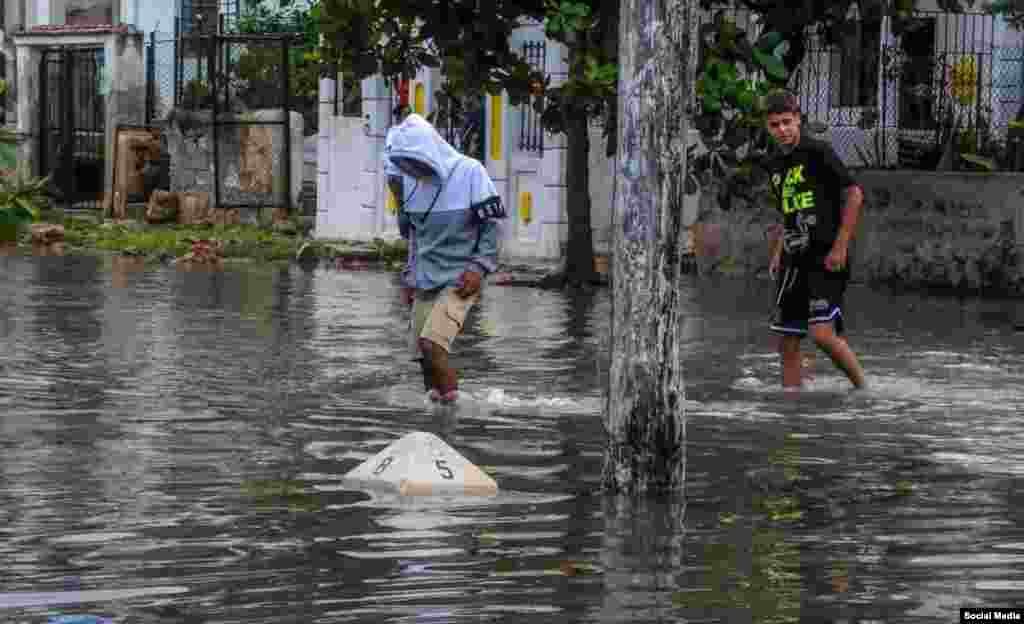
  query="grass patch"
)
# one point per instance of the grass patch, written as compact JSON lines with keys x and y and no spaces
{"x":251,"y":242}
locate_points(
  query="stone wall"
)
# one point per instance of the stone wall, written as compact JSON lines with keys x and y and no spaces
{"x":251,"y":154}
{"x":951,"y":230}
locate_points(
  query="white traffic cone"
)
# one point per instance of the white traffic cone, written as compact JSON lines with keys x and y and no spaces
{"x":421,"y":464}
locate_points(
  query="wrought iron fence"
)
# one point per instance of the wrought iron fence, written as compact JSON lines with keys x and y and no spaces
{"x":72,"y":126}
{"x":250,"y":98}
{"x":236,"y":90}
{"x":531,"y":131}
{"x":941,"y":93}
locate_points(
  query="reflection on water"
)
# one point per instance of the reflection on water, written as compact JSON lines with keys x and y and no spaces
{"x":172,"y":446}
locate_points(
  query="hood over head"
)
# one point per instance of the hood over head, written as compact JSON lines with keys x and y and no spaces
{"x":417,"y":139}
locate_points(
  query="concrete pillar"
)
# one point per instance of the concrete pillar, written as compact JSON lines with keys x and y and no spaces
{"x":345,"y":209}
{"x":552,"y":214}
{"x":324,"y":192}
{"x":124,"y":71}
{"x":497,"y":151}
{"x":377,"y":105}
{"x":28,"y":87}
{"x":421,"y":92}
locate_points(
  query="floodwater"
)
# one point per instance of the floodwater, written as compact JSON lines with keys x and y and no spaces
{"x":172,"y":448}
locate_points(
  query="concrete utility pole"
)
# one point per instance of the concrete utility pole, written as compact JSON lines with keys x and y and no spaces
{"x":645,"y":420}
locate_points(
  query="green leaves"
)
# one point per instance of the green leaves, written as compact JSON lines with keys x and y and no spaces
{"x":771,"y":64}
{"x":603,"y":74}
{"x":769,"y":41}
{"x":735,"y":71}
{"x":566,"y":18}
{"x":21,"y":198}
{"x":985,"y":164}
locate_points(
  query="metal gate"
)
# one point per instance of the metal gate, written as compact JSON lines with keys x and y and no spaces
{"x":72,"y":127}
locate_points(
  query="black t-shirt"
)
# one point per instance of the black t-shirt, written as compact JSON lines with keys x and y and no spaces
{"x":808,"y":185}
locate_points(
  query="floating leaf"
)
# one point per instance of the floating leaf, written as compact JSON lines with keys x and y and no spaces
{"x":574,"y":568}
{"x":903,"y":488}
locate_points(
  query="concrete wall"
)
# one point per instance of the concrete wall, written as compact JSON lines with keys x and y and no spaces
{"x":960,"y":231}
{"x":946,"y":230}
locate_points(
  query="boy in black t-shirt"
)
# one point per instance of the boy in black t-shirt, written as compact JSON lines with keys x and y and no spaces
{"x":820,"y":204}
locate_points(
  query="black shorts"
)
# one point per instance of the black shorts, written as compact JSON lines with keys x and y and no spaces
{"x":807,"y":297}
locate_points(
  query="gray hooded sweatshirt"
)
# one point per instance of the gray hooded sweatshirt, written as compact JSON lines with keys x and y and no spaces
{"x":446,"y":238}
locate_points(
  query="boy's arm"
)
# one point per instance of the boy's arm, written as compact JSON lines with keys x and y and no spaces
{"x":485,"y":260}
{"x":849,"y":214}
{"x":485,"y":199}
{"x":853,"y":201}
{"x":777,"y":246}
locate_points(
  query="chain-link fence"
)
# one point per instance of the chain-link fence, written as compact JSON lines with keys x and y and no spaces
{"x":943,"y":93}
{"x":161,"y":51}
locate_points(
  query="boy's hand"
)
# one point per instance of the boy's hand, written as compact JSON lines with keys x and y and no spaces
{"x":408,"y":295}
{"x":469,"y":284}
{"x":774,"y":265}
{"x":836,"y":259}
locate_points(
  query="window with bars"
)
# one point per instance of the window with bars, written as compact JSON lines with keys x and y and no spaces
{"x":531,"y":132}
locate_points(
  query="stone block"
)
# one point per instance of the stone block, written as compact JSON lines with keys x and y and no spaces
{"x":225,"y":216}
{"x":162,"y":207}
{"x":46,"y":233}
{"x":193,"y":208}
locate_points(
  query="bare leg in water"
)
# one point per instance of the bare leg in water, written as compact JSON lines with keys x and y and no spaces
{"x":437,"y":372}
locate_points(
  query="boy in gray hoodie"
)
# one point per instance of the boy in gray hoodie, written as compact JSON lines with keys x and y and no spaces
{"x":449,"y":211}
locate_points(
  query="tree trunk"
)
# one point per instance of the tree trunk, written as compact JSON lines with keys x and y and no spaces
{"x":644,"y":548}
{"x":645,"y":419}
{"x":580,"y":244}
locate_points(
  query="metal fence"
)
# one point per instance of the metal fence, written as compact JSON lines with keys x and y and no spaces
{"x":252,"y":151}
{"x":240,"y":84}
{"x":945,"y":89}
{"x":72,"y":126}
{"x":161,"y":75}
{"x":531,"y":132}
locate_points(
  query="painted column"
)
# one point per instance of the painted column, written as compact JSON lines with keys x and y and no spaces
{"x":344,"y":211}
{"x":377,"y":109}
{"x":28,"y":89}
{"x":421,"y":92}
{"x":324,"y":192}
{"x":551,"y":213}
{"x":497,"y":153}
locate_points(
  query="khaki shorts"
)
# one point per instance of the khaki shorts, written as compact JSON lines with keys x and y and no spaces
{"x":438,"y":315}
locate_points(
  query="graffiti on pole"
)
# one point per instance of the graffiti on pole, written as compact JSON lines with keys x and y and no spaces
{"x":636,"y":197}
